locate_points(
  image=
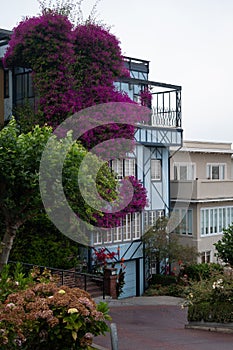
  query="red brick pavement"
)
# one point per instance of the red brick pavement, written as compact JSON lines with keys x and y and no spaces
{"x":160,"y":327}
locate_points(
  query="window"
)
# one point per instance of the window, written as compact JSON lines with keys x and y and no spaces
{"x":213,"y":220}
{"x":127,"y":228}
{"x":184,"y":221}
{"x":117,"y":233}
{"x":6,"y":84}
{"x":129,"y":167}
{"x":124,"y":167}
{"x":205,"y":257}
{"x":156,"y":170}
{"x":23,"y":86}
{"x":108,"y":236}
{"x":136,"y":227}
{"x":184,"y":171}
{"x":130,"y":229}
{"x":97,"y":238}
{"x":216,"y":171}
{"x":150,"y":216}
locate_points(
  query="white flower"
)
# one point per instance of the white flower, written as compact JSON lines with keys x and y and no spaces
{"x":73,"y":310}
{"x":10,"y":305}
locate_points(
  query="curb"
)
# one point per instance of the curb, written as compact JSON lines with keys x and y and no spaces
{"x":98,"y":347}
{"x":221,"y":328}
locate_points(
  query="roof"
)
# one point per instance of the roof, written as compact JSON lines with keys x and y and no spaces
{"x":206,"y":150}
{"x":206,"y":147}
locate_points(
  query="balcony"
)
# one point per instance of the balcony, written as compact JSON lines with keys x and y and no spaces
{"x":164,"y":127}
{"x":201,"y":190}
{"x":165,"y":104}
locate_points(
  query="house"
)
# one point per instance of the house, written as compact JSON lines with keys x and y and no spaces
{"x":202,"y":193}
{"x":150,"y":161}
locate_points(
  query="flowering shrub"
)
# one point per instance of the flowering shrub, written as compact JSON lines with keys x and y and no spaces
{"x":211,"y":300}
{"x":146,"y":97}
{"x":98,"y":56}
{"x":137,"y":204}
{"x":43,"y":316}
{"x":44,"y":44}
{"x":102,"y":256}
{"x":75,"y":68}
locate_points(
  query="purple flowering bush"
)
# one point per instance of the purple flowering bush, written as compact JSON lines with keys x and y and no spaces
{"x":98,"y":56}
{"x":73,"y":69}
{"x":44,"y":44}
{"x":137,"y":203}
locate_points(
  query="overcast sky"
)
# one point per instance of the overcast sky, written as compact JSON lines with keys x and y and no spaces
{"x":188,"y":43}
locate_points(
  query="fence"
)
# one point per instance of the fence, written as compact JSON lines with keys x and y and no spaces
{"x":93,"y":284}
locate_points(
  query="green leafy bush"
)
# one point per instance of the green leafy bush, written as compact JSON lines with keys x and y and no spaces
{"x":196,"y":272}
{"x":174,"y":290}
{"x":211,"y":300}
{"x":219,"y":312}
{"x":164,"y":280}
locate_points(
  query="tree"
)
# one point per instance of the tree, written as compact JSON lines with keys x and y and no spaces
{"x":162,"y":246}
{"x":20,"y":199}
{"x":72,"y":68}
{"x":224,"y":246}
{"x":39,"y":242}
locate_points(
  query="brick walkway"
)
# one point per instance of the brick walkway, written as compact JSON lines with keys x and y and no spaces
{"x":148,"y":323}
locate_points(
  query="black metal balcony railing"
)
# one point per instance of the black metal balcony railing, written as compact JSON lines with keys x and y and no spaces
{"x":166,"y":101}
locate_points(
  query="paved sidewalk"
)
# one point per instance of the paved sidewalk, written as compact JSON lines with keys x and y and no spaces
{"x":158,"y":300}
{"x":147,"y":323}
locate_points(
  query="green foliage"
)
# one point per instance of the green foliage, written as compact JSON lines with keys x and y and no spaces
{"x":12,"y":280}
{"x":197,"y":272}
{"x":164,"y":280}
{"x":20,"y":199}
{"x":120,"y":282}
{"x":220,"y":312}
{"x":163,"y":245}
{"x":211,"y":299}
{"x":175,"y":290}
{"x":40,"y":243}
{"x":224,"y":246}
{"x":166,"y":285}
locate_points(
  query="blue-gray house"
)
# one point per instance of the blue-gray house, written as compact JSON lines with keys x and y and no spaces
{"x":149,"y":163}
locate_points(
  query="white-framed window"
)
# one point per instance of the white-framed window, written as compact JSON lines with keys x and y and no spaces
{"x":108,"y":236}
{"x":129,"y":167}
{"x":97,"y":238}
{"x":150,"y":216}
{"x":127,"y":230}
{"x":117,"y":233}
{"x":184,"y":221}
{"x":206,"y":256}
{"x":184,"y":171}
{"x":136,"y":225}
{"x":214,"y":220}
{"x":216,"y":171}
{"x":124,"y":167}
{"x":156,"y":170}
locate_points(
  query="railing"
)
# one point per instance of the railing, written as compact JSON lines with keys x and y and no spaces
{"x":163,"y":117}
{"x":165,"y":101}
{"x":70,"y":278}
{"x":202,"y":189}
